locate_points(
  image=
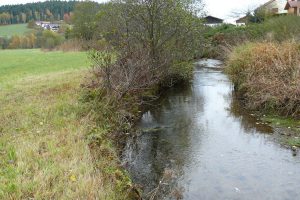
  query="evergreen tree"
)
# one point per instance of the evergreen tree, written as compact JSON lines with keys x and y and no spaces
{"x":41,"y":11}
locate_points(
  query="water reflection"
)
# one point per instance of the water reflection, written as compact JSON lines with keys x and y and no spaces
{"x":248,"y":120}
{"x":216,"y":148}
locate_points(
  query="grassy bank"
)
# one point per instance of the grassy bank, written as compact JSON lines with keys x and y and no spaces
{"x":15,"y":29}
{"x":267,"y":75}
{"x":44,"y":147}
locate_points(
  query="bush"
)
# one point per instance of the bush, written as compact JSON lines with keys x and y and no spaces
{"x":281,"y":28}
{"x":31,"y":24}
{"x":50,"y":39}
{"x":276,"y":29}
{"x":71,"y":45}
{"x":4,"y":42}
{"x":268,"y":76}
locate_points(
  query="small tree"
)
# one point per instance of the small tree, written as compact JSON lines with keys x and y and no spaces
{"x":15,"y":42}
{"x":103,"y":62}
{"x":155,"y":41}
{"x":31,"y":24}
{"x":84,"y":19}
{"x":169,"y":31}
{"x":50,"y":39}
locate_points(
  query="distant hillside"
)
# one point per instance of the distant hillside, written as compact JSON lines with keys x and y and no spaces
{"x":15,"y":29}
{"x":49,"y":10}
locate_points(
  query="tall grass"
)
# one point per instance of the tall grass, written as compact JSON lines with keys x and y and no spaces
{"x":268,"y":75}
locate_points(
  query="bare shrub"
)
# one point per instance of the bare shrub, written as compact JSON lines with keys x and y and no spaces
{"x":126,"y":73}
{"x":268,"y":75}
{"x":71,"y":45}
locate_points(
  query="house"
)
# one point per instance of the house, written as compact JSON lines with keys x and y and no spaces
{"x":275,"y":7}
{"x":242,"y":21}
{"x":272,"y":7}
{"x":48,"y":25}
{"x":293,"y":7}
{"x":53,"y":27}
{"x":212,"y":21}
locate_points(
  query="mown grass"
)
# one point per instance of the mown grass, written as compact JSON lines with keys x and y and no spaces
{"x":15,"y":29}
{"x":44,"y":152}
{"x":18,"y":64}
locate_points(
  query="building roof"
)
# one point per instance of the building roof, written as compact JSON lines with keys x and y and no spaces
{"x":280,"y":4}
{"x":292,"y":4}
{"x":213,"y":20}
{"x":242,"y":20}
{"x":267,"y":3}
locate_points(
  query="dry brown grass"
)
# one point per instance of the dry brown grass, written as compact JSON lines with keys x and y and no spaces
{"x":268,"y":75}
{"x":71,"y":45}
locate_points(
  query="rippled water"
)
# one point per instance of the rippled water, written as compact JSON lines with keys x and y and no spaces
{"x":214,"y":148}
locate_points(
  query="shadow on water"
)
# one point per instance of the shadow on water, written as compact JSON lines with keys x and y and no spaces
{"x":249,"y":120}
{"x":216,"y":149}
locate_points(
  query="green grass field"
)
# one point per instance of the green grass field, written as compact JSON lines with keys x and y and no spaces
{"x":18,"y":64}
{"x":44,"y":153}
{"x":15,"y":29}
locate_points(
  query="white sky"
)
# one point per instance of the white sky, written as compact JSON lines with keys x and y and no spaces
{"x":220,"y":8}
{"x":225,"y":8}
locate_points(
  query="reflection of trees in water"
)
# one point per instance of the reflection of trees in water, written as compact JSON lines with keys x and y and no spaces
{"x":248,"y":121}
{"x":167,"y":146}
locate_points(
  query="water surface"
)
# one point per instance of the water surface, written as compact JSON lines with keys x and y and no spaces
{"x":215,"y":148}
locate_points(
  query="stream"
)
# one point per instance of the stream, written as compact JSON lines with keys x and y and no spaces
{"x":199,"y":143}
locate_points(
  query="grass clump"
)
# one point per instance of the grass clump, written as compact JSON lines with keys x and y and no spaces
{"x":294,"y":142}
{"x":268,"y":76}
{"x":283,"y":121}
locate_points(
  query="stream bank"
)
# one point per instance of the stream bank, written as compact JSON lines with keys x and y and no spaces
{"x":200,"y":143}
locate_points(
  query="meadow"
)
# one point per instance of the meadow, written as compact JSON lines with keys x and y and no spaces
{"x":18,"y":64}
{"x":44,"y":153}
{"x":15,"y":29}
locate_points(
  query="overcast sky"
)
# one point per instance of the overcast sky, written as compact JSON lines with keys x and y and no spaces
{"x":225,"y":8}
{"x":220,"y":8}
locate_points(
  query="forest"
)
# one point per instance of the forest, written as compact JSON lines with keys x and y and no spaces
{"x":40,"y":11}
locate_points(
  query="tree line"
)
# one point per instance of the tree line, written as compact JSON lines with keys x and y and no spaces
{"x":41,"y":11}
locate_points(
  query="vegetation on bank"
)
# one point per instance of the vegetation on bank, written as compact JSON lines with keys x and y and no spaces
{"x":58,"y":140}
{"x":134,"y":56}
{"x":47,"y":147}
{"x":263,"y":62}
{"x":220,"y":41}
{"x":139,"y":48}
{"x":267,"y":75}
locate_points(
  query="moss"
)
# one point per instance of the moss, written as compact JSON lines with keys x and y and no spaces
{"x":286,"y":122}
{"x":289,"y":138}
{"x":293,"y":142}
